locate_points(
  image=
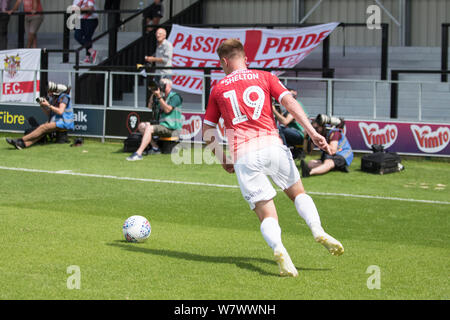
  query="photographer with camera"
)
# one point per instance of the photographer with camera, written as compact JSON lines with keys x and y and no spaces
{"x":291,"y":132}
{"x":166,"y":106}
{"x":58,"y":108}
{"x":341,"y":152}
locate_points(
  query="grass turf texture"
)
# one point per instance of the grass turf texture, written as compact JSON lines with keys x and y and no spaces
{"x":205,"y":242}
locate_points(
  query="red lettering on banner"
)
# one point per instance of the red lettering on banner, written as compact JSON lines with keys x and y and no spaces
{"x":178,"y":38}
{"x":187,"y":61}
{"x":297,"y":42}
{"x":20,"y":87}
{"x":187,"y":44}
{"x":198,"y":45}
{"x":285,"y":44}
{"x":208,"y":41}
{"x":217,"y":43}
{"x":271,"y":43}
{"x":181,"y":61}
{"x":309,"y":40}
{"x":321,"y":36}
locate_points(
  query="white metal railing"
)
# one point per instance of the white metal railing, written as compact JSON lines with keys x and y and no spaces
{"x":329,"y":88}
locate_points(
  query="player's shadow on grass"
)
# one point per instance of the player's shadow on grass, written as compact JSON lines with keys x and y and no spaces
{"x":240,"y":262}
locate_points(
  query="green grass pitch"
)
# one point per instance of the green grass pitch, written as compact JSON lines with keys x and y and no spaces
{"x":205,"y":242}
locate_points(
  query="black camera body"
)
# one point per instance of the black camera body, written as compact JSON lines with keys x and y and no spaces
{"x":153,"y":86}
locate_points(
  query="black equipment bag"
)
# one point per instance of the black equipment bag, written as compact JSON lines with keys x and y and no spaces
{"x":381,"y":162}
{"x":132,"y":143}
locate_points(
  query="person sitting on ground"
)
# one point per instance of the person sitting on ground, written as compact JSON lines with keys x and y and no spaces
{"x":58,"y":108}
{"x":167,"y":104}
{"x":341,"y":152}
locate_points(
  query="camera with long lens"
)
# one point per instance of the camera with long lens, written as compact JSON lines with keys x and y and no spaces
{"x":40,"y":100}
{"x":323,"y":119}
{"x":57,"y":88}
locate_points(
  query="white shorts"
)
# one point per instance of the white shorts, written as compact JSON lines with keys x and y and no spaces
{"x":253,"y":169}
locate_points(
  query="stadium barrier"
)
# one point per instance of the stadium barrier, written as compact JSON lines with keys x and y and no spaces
{"x":112,"y":120}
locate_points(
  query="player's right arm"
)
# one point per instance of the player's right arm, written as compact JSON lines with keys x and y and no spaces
{"x":212,"y":117}
{"x":295,"y":109}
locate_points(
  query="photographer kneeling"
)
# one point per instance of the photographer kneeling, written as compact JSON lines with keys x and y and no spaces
{"x":341,"y":152}
{"x":58,"y":108}
{"x":167,"y":105}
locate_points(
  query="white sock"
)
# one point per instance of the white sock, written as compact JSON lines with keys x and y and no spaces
{"x":307,"y":210}
{"x":271,"y":232}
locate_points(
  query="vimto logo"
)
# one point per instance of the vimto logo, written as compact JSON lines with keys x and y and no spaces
{"x":431,"y":141}
{"x":372,"y":134}
{"x":191,"y":127}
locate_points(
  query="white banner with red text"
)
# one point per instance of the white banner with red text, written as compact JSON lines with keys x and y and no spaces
{"x":264,"y":48}
{"x":18,"y":85}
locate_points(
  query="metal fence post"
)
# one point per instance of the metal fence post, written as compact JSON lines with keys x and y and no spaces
{"x":66,"y":40}
{"x":444,"y":51}
{"x":394,"y":95}
{"x":105,"y":104}
{"x":329,"y":97}
{"x":384,"y":50}
{"x":326,"y":57}
{"x":207,"y":86}
{"x":43,"y":79}
{"x":21,"y":31}
{"x":374,"y":99}
{"x":136,"y":92}
{"x":420,"y":101}
{"x":1,"y":83}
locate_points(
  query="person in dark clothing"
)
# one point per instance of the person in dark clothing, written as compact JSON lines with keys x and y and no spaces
{"x":4,"y":20}
{"x":154,"y":14}
{"x":113,"y":18}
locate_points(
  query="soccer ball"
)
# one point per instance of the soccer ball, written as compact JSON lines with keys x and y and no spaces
{"x":136,"y":229}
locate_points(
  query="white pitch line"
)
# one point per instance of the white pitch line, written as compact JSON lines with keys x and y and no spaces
{"x":69,"y":172}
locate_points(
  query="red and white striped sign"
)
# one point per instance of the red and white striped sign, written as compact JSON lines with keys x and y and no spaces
{"x":19,"y":85}
{"x":265,"y":48}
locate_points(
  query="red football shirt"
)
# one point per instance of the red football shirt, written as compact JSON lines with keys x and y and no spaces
{"x":244,"y":100}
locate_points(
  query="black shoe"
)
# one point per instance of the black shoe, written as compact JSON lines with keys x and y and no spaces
{"x":153,"y":151}
{"x":20,"y":144}
{"x":17,"y":143}
{"x":305,"y":170}
{"x":11,"y":141}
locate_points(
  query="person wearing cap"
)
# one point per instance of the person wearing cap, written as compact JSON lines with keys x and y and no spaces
{"x":59,"y":110}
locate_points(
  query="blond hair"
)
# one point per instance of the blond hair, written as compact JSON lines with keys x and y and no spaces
{"x":230,"y":48}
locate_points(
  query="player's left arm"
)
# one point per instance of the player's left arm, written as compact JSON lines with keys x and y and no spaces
{"x":294,"y":108}
{"x":279,"y":91}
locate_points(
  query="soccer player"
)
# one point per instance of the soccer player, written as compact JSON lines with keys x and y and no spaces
{"x":243,"y":100}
